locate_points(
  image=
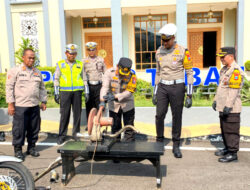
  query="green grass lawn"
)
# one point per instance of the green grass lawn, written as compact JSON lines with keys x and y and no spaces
{"x":139,"y":102}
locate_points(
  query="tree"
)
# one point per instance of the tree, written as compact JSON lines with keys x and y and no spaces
{"x":24,"y":45}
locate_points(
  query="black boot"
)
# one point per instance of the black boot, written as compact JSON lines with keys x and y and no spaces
{"x":222,"y":152}
{"x":159,"y":139}
{"x":177,"y":151}
{"x":18,"y":152}
{"x":32,"y":151}
{"x":60,"y":140}
{"x":230,"y":157}
{"x":2,"y":136}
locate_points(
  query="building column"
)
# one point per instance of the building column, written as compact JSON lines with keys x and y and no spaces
{"x":230,"y":27}
{"x":6,"y":37}
{"x":116,"y":21}
{"x":240,"y":32}
{"x":77,"y":34}
{"x":57,"y":30}
{"x":125,"y":37}
{"x":47,"y":32}
{"x":181,"y":22}
{"x":62,"y":25}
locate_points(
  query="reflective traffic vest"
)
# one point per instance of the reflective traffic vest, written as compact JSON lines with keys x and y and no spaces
{"x":71,"y":79}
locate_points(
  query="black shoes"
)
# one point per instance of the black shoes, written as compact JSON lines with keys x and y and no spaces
{"x":2,"y":136}
{"x":18,"y":153}
{"x":116,"y":161}
{"x":222,"y":152}
{"x":230,"y":157}
{"x":177,"y":152}
{"x":76,"y":138}
{"x":159,"y":139}
{"x":33,"y":152}
{"x":60,"y":140}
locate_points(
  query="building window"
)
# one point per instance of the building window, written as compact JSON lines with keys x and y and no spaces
{"x":203,"y":17}
{"x":100,"y":22}
{"x":147,"y":39}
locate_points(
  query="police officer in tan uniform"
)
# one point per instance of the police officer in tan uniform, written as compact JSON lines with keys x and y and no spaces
{"x":118,"y":86}
{"x":227,"y":101}
{"x":69,"y":81}
{"x":172,"y":60}
{"x":94,"y":68}
{"x":24,"y":90}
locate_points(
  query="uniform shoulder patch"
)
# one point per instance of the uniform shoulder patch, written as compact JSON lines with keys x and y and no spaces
{"x":187,"y":63}
{"x":235,"y":79}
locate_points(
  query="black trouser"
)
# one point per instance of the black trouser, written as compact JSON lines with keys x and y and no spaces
{"x":26,"y":121}
{"x":94,"y":98}
{"x":68,"y":98}
{"x":230,"y":130}
{"x":128,"y":119}
{"x":173,"y":94}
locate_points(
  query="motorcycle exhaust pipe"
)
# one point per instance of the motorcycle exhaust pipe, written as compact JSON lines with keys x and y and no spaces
{"x":51,"y":166}
{"x":54,"y":176}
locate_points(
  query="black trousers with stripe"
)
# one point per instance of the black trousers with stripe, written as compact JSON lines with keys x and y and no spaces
{"x":230,"y":131}
{"x":94,"y":98}
{"x":128,"y":119}
{"x":173,"y":95}
{"x":70,"y":99}
{"x":26,"y":122}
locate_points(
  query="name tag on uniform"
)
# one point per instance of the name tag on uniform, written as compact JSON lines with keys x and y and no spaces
{"x":36,"y":75}
{"x":63,"y":65}
{"x":225,"y":81}
{"x":22,"y":75}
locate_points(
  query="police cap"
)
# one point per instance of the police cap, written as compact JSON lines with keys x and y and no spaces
{"x":225,"y":51}
{"x":91,"y":45}
{"x":71,"y":48}
{"x":168,"y":31}
{"x":124,"y":65}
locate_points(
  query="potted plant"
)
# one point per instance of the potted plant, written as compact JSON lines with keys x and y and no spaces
{"x":24,"y":45}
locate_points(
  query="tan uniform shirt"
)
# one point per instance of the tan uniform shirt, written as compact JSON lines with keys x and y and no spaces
{"x":170,"y":66}
{"x":25,"y":87}
{"x":226,"y":96}
{"x":94,"y":69}
{"x":116,"y":85}
{"x":58,"y":73}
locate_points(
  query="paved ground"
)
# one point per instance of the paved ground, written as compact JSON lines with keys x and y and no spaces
{"x":197,"y":170}
{"x":197,"y":121}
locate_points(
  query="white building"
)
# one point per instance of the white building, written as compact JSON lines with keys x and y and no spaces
{"x":124,"y":28}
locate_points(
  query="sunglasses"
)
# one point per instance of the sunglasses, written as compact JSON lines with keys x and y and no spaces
{"x":91,"y":49}
{"x":223,"y":57}
{"x":71,"y":53}
{"x":165,"y":40}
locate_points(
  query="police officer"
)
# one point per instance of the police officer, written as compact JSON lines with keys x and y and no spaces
{"x":169,"y":88}
{"x":119,"y":84}
{"x":24,"y":90}
{"x":227,"y":101}
{"x":94,"y":68}
{"x":68,"y":78}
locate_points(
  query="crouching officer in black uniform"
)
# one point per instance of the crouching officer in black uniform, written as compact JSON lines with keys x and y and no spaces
{"x":227,"y":101}
{"x":171,"y":59}
{"x":24,"y":90}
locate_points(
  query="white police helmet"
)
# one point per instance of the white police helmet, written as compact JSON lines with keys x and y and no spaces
{"x":168,"y":31}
